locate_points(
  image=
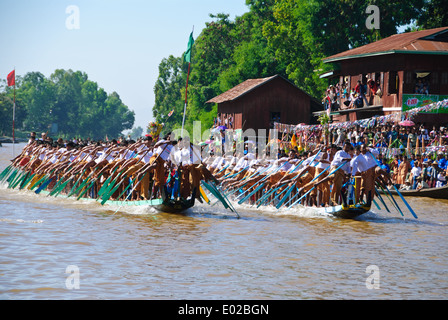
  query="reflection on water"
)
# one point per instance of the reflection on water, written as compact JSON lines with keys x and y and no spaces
{"x":208,"y":253}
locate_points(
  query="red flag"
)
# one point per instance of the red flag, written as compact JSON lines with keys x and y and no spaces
{"x":11,"y":78}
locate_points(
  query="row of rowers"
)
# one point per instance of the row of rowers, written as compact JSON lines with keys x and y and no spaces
{"x":133,"y":160}
{"x":141,"y":151}
{"x":357,"y":162}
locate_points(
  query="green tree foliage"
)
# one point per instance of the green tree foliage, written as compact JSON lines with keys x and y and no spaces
{"x":169,"y":87}
{"x":68,"y":99}
{"x":136,"y":133}
{"x":6,"y":107}
{"x":286,"y":37}
{"x":434,"y":14}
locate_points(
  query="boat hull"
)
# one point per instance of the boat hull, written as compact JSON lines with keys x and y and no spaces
{"x":163,"y":204}
{"x":434,"y":193}
{"x":175,"y":206}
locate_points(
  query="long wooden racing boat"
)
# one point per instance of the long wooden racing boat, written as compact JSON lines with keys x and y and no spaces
{"x":434,"y":193}
{"x":164,"y":204}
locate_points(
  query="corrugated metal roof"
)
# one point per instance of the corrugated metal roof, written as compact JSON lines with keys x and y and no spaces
{"x":240,"y":90}
{"x":409,"y":42}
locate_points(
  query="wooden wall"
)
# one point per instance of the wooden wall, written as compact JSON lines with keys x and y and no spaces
{"x":253,"y":110}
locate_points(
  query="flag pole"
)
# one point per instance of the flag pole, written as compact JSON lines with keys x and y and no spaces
{"x":185,"y":105}
{"x":186,"y":90}
{"x":14,"y":113}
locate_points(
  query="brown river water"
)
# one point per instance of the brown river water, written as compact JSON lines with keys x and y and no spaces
{"x":56,"y":248}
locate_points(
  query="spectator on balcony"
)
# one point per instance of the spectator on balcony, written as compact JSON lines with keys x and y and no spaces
{"x":417,"y":90}
{"x":373,"y":86}
{"x":361,"y":90}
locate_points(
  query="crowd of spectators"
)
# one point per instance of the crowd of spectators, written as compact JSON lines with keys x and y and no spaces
{"x":421,"y":87}
{"x":341,"y":96}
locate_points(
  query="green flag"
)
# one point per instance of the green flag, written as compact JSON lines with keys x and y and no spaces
{"x":187,"y":55}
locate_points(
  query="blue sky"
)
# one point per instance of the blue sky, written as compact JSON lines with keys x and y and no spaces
{"x":119,"y":44}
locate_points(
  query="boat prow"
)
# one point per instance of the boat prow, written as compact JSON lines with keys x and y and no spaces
{"x":169,"y":205}
{"x":344,"y":212}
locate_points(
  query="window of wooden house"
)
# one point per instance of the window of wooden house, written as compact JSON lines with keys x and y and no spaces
{"x":393,"y":82}
{"x":424,"y":82}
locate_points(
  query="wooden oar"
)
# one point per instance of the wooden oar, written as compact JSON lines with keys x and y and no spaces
{"x":242,"y":186}
{"x":13,"y":174}
{"x":376,"y":204}
{"x":107,"y":182}
{"x":130,"y":193}
{"x":44,"y":185}
{"x":24,"y":179}
{"x":381,"y":199}
{"x":275,"y":196}
{"x":27,"y":180}
{"x":343,"y":164}
{"x":82,"y":184}
{"x":91,"y":183}
{"x":214,"y":193}
{"x":61,"y":184}
{"x":62,"y":187}
{"x":13,"y":181}
{"x":17,"y":179}
{"x":262,"y":182}
{"x":36,"y":183}
{"x":6,"y":172}
{"x":391,"y":199}
{"x":88,"y":178}
{"x":132,"y":183}
{"x":406,"y":203}
{"x":203,"y":195}
{"x":292,"y":187}
{"x":226,"y":203}
{"x":252,"y":193}
{"x":111,"y":192}
{"x":265,"y":198}
{"x":70,"y":193}
{"x":390,"y":193}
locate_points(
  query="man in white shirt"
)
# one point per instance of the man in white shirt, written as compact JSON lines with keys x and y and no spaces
{"x":368,"y":176}
{"x":358,"y":166}
{"x":338,"y":177}
{"x":415,"y":172}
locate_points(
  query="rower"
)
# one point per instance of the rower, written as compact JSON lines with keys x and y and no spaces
{"x":338,"y":176}
{"x":368,"y":176}
{"x":358,"y":167}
